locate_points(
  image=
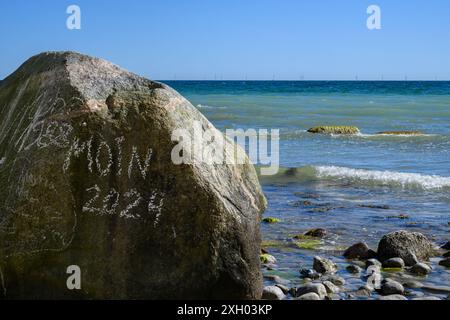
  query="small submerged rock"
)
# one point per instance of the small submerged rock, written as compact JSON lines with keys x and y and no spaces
{"x":323,"y":265}
{"x":374,"y":206}
{"x":316,"y":233}
{"x":446,"y":246}
{"x":272,"y":293}
{"x":334,"y":130}
{"x":359,"y":250}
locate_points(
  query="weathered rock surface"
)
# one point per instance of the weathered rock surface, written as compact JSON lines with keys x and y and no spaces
{"x":87,"y":179}
{"x":410,"y":246}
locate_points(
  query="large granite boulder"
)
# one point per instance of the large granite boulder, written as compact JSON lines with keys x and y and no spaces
{"x":87,"y":179}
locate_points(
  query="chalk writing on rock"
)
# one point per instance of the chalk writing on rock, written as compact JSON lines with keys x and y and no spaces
{"x":130,"y":201}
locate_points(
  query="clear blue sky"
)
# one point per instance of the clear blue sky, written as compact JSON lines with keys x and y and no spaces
{"x":234,"y":39}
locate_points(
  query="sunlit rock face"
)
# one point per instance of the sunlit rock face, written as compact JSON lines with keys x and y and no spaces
{"x":87,"y":179}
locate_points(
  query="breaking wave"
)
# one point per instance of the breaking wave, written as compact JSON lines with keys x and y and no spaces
{"x":359,"y":176}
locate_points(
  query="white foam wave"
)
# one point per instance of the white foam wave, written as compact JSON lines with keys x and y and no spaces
{"x":385,"y":177}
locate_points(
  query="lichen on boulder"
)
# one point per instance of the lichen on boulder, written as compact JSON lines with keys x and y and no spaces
{"x":334,"y":130}
{"x":87,"y":179}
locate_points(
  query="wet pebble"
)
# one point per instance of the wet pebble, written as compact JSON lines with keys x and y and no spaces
{"x":272,"y":293}
{"x":316,"y":288}
{"x":394,"y":263}
{"x":331,"y":287}
{"x":309,"y":296}
{"x":389,"y":287}
{"x":323,"y":265}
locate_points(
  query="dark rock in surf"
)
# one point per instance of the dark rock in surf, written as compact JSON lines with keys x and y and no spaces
{"x":359,"y":250}
{"x":87,"y":178}
{"x":410,"y":246}
{"x":316,"y":233}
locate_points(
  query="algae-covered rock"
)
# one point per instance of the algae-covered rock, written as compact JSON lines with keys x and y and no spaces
{"x":271,"y":220}
{"x":334,"y":130}
{"x":87,"y":179}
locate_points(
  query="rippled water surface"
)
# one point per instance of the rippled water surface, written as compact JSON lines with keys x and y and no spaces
{"x":356,"y":187}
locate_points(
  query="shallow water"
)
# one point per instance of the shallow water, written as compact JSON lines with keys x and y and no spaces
{"x":342,"y":176}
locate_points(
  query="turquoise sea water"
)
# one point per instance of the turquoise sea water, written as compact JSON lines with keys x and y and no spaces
{"x":355,"y":186}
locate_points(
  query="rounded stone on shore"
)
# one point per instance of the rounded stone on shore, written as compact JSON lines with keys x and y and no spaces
{"x":317,"y":288}
{"x":323,"y":265}
{"x":394,"y":263}
{"x":420,"y":269}
{"x":272,"y":293}
{"x":337,"y":280}
{"x":309,"y":296}
{"x":330,"y":287}
{"x":283,"y":288}
{"x":373,"y":262}
{"x":389,"y":287}
{"x":359,"y":250}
